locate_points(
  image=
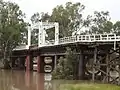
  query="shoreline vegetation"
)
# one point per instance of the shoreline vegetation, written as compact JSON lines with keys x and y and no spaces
{"x":83,"y":85}
{"x":88,"y":86}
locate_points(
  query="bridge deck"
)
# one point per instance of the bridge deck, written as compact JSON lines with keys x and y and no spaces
{"x":81,"y":39}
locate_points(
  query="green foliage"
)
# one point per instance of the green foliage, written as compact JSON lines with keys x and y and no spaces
{"x":66,"y":67}
{"x":100,"y":23}
{"x":88,"y":86}
{"x":12,"y":28}
{"x":116,"y":28}
{"x":69,"y":17}
{"x":58,"y":73}
{"x":71,"y":63}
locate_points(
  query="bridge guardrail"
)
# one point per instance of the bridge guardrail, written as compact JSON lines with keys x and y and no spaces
{"x":90,"y":38}
{"x":85,"y":38}
{"x":79,"y":38}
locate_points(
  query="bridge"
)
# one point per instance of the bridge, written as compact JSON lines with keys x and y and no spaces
{"x":98,"y":54}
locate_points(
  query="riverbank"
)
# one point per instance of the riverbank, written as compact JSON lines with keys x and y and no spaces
{"x":88,"y":86}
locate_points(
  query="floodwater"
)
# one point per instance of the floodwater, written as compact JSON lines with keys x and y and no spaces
{"x":21,"y":80}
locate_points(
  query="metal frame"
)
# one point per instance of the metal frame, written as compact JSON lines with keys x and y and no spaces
{"x":41,"y":35}
{"x":109,"y":70}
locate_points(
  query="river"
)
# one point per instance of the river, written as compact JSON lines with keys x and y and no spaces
{"x":21,"y":80}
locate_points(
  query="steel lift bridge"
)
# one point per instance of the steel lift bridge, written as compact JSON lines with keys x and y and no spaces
{"x":98,"y":54}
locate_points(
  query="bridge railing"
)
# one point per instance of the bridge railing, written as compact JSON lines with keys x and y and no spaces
{"x":86,"y":38}
{"x":79,"y":38}
{"x":90,"y":38}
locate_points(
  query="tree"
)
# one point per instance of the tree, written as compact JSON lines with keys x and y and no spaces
{"x":58,"y":73}
{"x":69,"y":18}
{"x":67,"y":66}
{"x":70,"y":64}
{"x":12,"y":28}
{"x":35,"y":18}
{"x":116,"y":28}
{"x":100,"y":23}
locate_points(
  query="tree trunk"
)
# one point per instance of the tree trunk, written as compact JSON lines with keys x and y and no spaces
{"x":5,"y":59}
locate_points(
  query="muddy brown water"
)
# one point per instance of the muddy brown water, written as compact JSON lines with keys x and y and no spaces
{"x":21,"y":80}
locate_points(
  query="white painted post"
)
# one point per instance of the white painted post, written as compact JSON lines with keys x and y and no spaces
{"x":90,"y":38}
{"x":115,"y":42}
{"x":78,"y":38}
{"x":81,"y":37}
{"x":115,"y":36}
{"x":100,"y":37}
{"x":94,"y":38}
{"x":40,"y":35}
{"x":107,"y":37}
{"x":55,"y":62}
{"x":56,"y":33}
{"x":43,"y":36}
{"x":29,"y":37}
{"x":85,"y":37}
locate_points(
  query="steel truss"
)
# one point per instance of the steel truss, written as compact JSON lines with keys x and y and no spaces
{"x":105,"y":68}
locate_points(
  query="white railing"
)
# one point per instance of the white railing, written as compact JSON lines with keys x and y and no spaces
{"x":90,"y":38}
{"x":80,"y":38}
{"x":86,"y":38}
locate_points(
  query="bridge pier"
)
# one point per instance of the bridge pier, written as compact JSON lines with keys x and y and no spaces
{"x":94,"y":63}
{"x":55,"y":61}
{"x":38,"y":63}
{"x":22,"y":61}
{"x":13,"y":62}
{"x":81,"y":71}
{"x":29,"y":63}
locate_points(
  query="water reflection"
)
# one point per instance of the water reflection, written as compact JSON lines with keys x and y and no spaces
{"x":21,"y":80}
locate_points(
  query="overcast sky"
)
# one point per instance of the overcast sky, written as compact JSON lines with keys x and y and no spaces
{"x":29,"y":7}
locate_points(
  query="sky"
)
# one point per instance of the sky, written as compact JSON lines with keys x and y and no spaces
{"x":29,"y":7}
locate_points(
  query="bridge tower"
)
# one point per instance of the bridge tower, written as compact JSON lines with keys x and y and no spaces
{"x":42,"y":27}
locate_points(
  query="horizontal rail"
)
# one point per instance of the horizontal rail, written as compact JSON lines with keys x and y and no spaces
{"x":86,"y":38}
{"x":90,"y":38}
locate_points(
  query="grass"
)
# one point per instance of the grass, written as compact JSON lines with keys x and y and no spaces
{"x":88,"y":86}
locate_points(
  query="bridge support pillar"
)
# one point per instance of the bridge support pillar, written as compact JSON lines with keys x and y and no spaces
{"x":94,"y":63}
{"x":13,"y":62}
{"x":55,"y":62}
{"x":29,"y":63}
{"x":38,"y":63}
{"x":81,"y":71}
